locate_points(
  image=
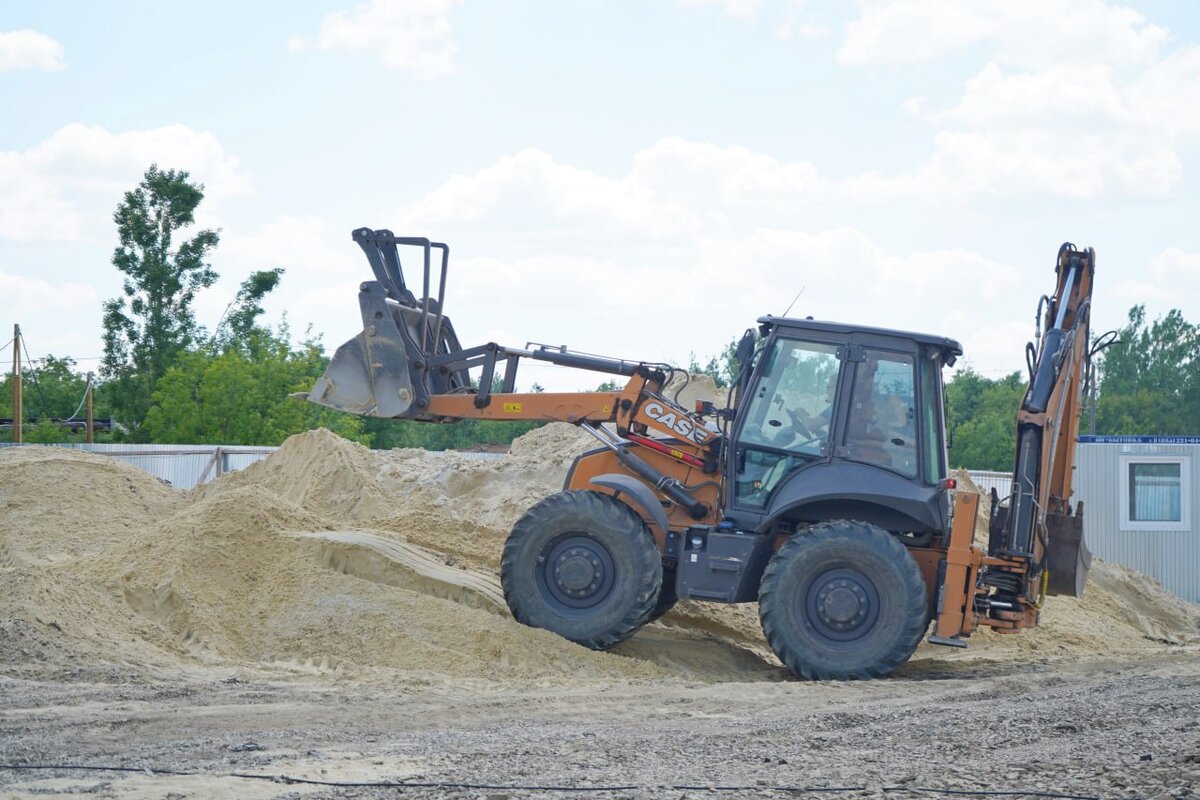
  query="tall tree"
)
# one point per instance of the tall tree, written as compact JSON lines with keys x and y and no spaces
{"x":152,"y":323}
{"x":241,"y":317}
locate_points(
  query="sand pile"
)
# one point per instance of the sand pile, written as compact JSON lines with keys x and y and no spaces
{"x":238,"y":575}
{"x":57,"y":502}
{"x":685,"y":389}
{"x":328,"y":558}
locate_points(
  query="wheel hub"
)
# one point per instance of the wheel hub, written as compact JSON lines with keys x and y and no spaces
{"x":842,"y":604}
{"x":576,"y":572}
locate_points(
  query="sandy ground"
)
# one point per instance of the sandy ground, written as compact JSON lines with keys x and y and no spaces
{"x":1096,"y":729}
{"x":334,"y":614}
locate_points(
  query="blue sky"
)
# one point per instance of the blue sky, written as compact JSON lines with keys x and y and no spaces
{"x":639,"y":179}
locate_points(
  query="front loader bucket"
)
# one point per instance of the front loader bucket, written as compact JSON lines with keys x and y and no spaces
{"x":370,"y":374}
{"x":405,"y":350}
{"x":1067,"y":556}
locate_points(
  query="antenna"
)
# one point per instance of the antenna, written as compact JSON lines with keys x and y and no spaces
{"x":794,"y":299}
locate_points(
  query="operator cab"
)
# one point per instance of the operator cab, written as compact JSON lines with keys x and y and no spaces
{"x":839,"y":421}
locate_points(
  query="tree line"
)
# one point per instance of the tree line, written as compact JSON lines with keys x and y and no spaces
{"x":164,"y":378}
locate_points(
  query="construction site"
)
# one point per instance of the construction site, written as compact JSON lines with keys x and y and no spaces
{"x":292,"y":619}
{"x":767,"y":435}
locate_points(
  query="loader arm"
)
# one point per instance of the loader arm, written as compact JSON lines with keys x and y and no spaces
{"x":407,"y":364}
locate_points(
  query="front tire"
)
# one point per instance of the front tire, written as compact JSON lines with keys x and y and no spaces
{"x":843,"y":600}
{"x":667,"y":598}
{"x":582,"y":564}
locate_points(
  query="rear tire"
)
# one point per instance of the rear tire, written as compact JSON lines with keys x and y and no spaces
{"x":582,"y":564}
{"x":843,"y":600}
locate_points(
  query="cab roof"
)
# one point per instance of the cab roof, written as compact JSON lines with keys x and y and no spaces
{"x":949,"y":348}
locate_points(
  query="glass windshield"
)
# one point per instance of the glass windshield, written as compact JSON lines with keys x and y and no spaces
{"x":792,"y":407}
{"x":790,"y":412}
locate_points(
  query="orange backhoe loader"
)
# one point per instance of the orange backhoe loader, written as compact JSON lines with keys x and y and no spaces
{"x":821,"y":492}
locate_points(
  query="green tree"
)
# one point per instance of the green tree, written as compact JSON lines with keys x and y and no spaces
{"x":240,"y":395}
{"x":722,"y":368}
{"x":151,"y":324}
{"x":1150,"y":379}
{"x":241,"y":317}
{"x":981,"y":419}
{"x":53,"y":389}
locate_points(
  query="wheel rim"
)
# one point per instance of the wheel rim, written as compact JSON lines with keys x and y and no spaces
{"x":841,"y":605}
{"x":575,"y":573}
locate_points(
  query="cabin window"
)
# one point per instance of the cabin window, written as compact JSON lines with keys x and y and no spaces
{"x":1154,"y":493}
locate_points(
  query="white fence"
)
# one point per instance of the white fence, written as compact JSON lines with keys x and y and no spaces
{"x":986,"y":481}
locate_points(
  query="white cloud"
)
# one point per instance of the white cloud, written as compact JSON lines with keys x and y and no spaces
{"x":1032,"y":33}
{"x":67,"y":186}
{"x":681,"y":253}
{"x":28,"y":49}
{"x":413,"y":35}
{"x":322,"y":270}
{"x":1170,"y":280}
{"x":40,"y":306}
{"x":674,"y":188}
{"x":1007,"y":163}
{"x":1076,"y":98}
{"x":744,"y":9}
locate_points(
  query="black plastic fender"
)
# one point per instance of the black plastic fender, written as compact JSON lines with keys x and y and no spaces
{"x":643,"y":499}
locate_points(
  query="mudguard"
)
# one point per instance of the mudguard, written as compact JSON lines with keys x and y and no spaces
{"x":643,"y":500}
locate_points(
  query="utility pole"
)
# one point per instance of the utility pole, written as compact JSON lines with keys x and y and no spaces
{"x":91,"y":424}
{"x":18,"y":413}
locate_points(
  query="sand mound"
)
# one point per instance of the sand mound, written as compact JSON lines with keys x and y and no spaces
{"x":555,"y":441}
{"x":317,"y":470}
{"x":327,"y":558}
{"x":259,"y":582}
{"x":56,"y":502}
{"x":685,"y":389}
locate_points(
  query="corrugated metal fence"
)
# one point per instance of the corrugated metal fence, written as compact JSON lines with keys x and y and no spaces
{"x":182,"y":465}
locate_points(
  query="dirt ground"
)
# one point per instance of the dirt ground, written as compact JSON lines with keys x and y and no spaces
{"x":334,"y":615}
{"x":1093,"y":729}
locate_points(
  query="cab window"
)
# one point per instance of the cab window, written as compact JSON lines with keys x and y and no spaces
{"x":932,"y":452}
{"x":881,"y":428}
{"x":788,"y":419}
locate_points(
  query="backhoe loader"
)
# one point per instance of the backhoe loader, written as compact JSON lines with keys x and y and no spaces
{"x":821,"y":493}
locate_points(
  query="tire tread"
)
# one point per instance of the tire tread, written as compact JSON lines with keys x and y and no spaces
{"x":874,"y":538}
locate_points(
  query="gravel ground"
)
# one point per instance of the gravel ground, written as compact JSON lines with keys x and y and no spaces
{"x":1096,"y":729}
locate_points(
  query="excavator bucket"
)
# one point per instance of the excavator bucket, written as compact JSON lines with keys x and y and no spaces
{"x":1067,"y":556}
{"x":389,"y":370}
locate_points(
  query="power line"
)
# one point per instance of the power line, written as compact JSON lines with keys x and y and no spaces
{"x":45,"y":409}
